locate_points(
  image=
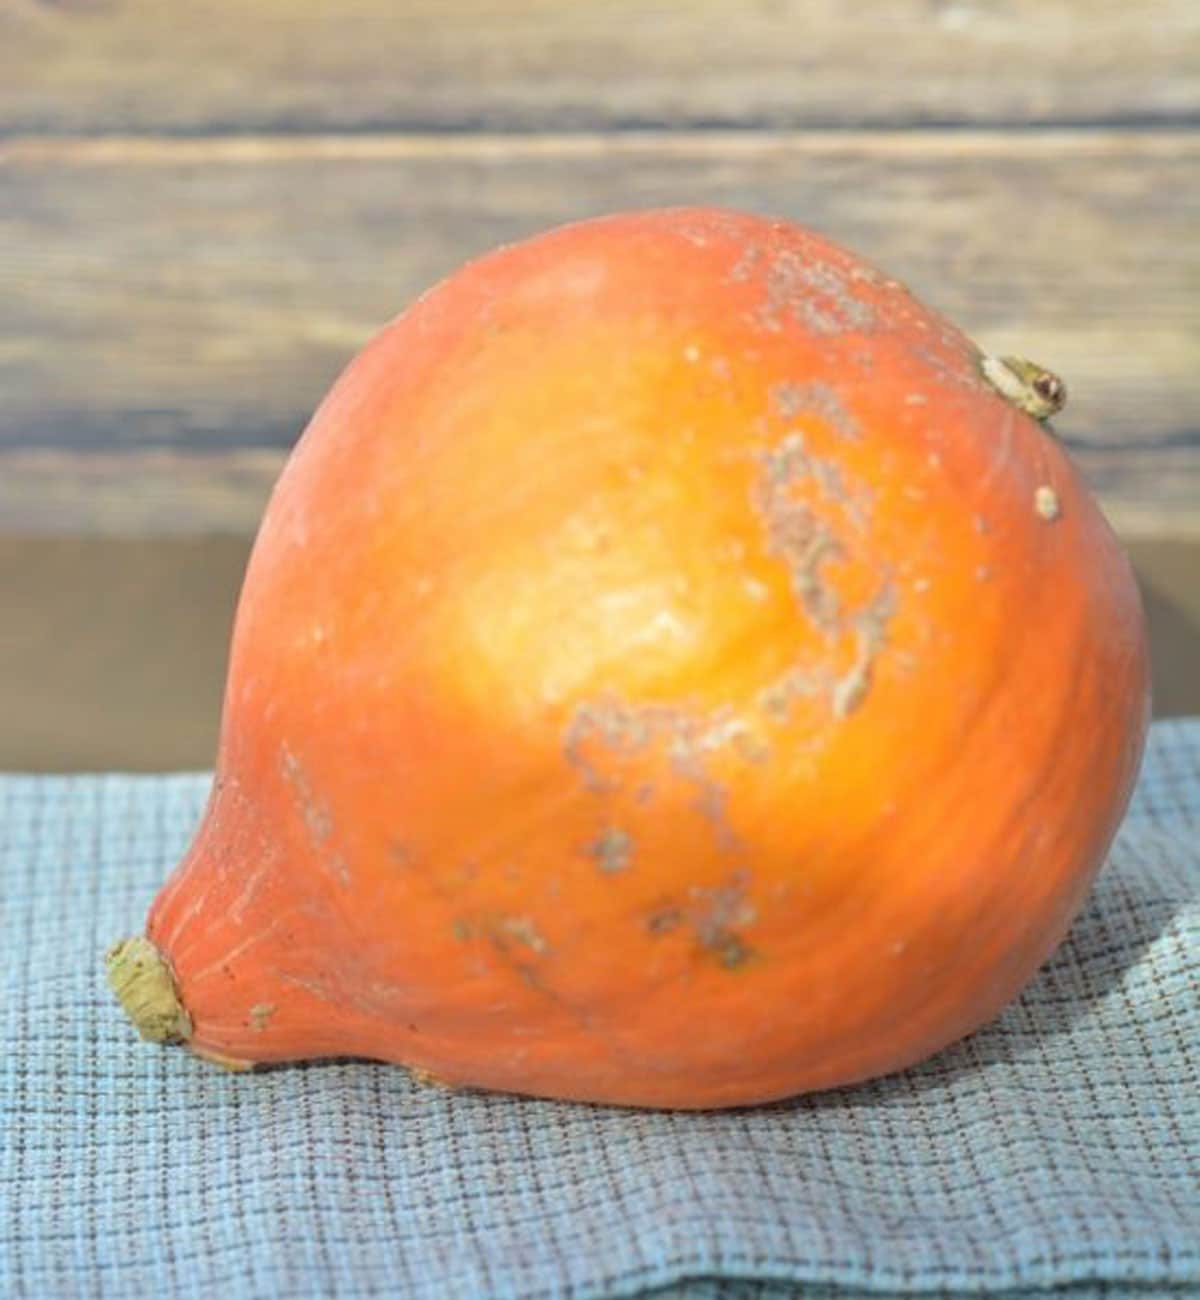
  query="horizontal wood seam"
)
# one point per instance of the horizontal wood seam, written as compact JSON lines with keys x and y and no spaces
{"x":156,"y":149}
{"x":481,"y":124}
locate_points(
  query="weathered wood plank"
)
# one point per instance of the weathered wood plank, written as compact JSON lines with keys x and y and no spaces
{"x":212,"y":65}
{"x":135,"y":493}
{"x":204,"y":293}
{"x":1146,"y":494}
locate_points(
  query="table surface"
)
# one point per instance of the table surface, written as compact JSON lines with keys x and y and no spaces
{"x":1058,"y":1144}
{"x":206,"y":210}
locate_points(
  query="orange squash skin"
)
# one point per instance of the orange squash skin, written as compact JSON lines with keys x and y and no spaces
{"x":667,"y":674}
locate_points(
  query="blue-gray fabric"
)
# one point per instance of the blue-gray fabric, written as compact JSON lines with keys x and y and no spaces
{"x":1056,"y":1152}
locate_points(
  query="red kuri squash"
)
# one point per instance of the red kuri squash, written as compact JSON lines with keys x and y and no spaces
{"x":675,"y":668}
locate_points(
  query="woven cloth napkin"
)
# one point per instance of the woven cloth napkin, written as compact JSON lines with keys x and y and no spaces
{"x":1056,"y":1152}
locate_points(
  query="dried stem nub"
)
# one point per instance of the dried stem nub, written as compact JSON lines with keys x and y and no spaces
{"x":1030,"y":387}
{"x":145,"y":986}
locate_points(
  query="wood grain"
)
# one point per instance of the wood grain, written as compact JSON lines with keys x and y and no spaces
{"x":197,"y":297}
{"x":215,"y":65}
{"x":1145,"y":494}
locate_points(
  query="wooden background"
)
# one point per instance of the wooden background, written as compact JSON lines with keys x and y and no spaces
{"x":206,"y":209}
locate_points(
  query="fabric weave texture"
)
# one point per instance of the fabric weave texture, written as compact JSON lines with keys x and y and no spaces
{"x":1054,"y":1153}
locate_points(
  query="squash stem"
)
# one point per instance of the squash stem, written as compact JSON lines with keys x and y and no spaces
{"x":1029,"y":387}
{"x":142,"y":979}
